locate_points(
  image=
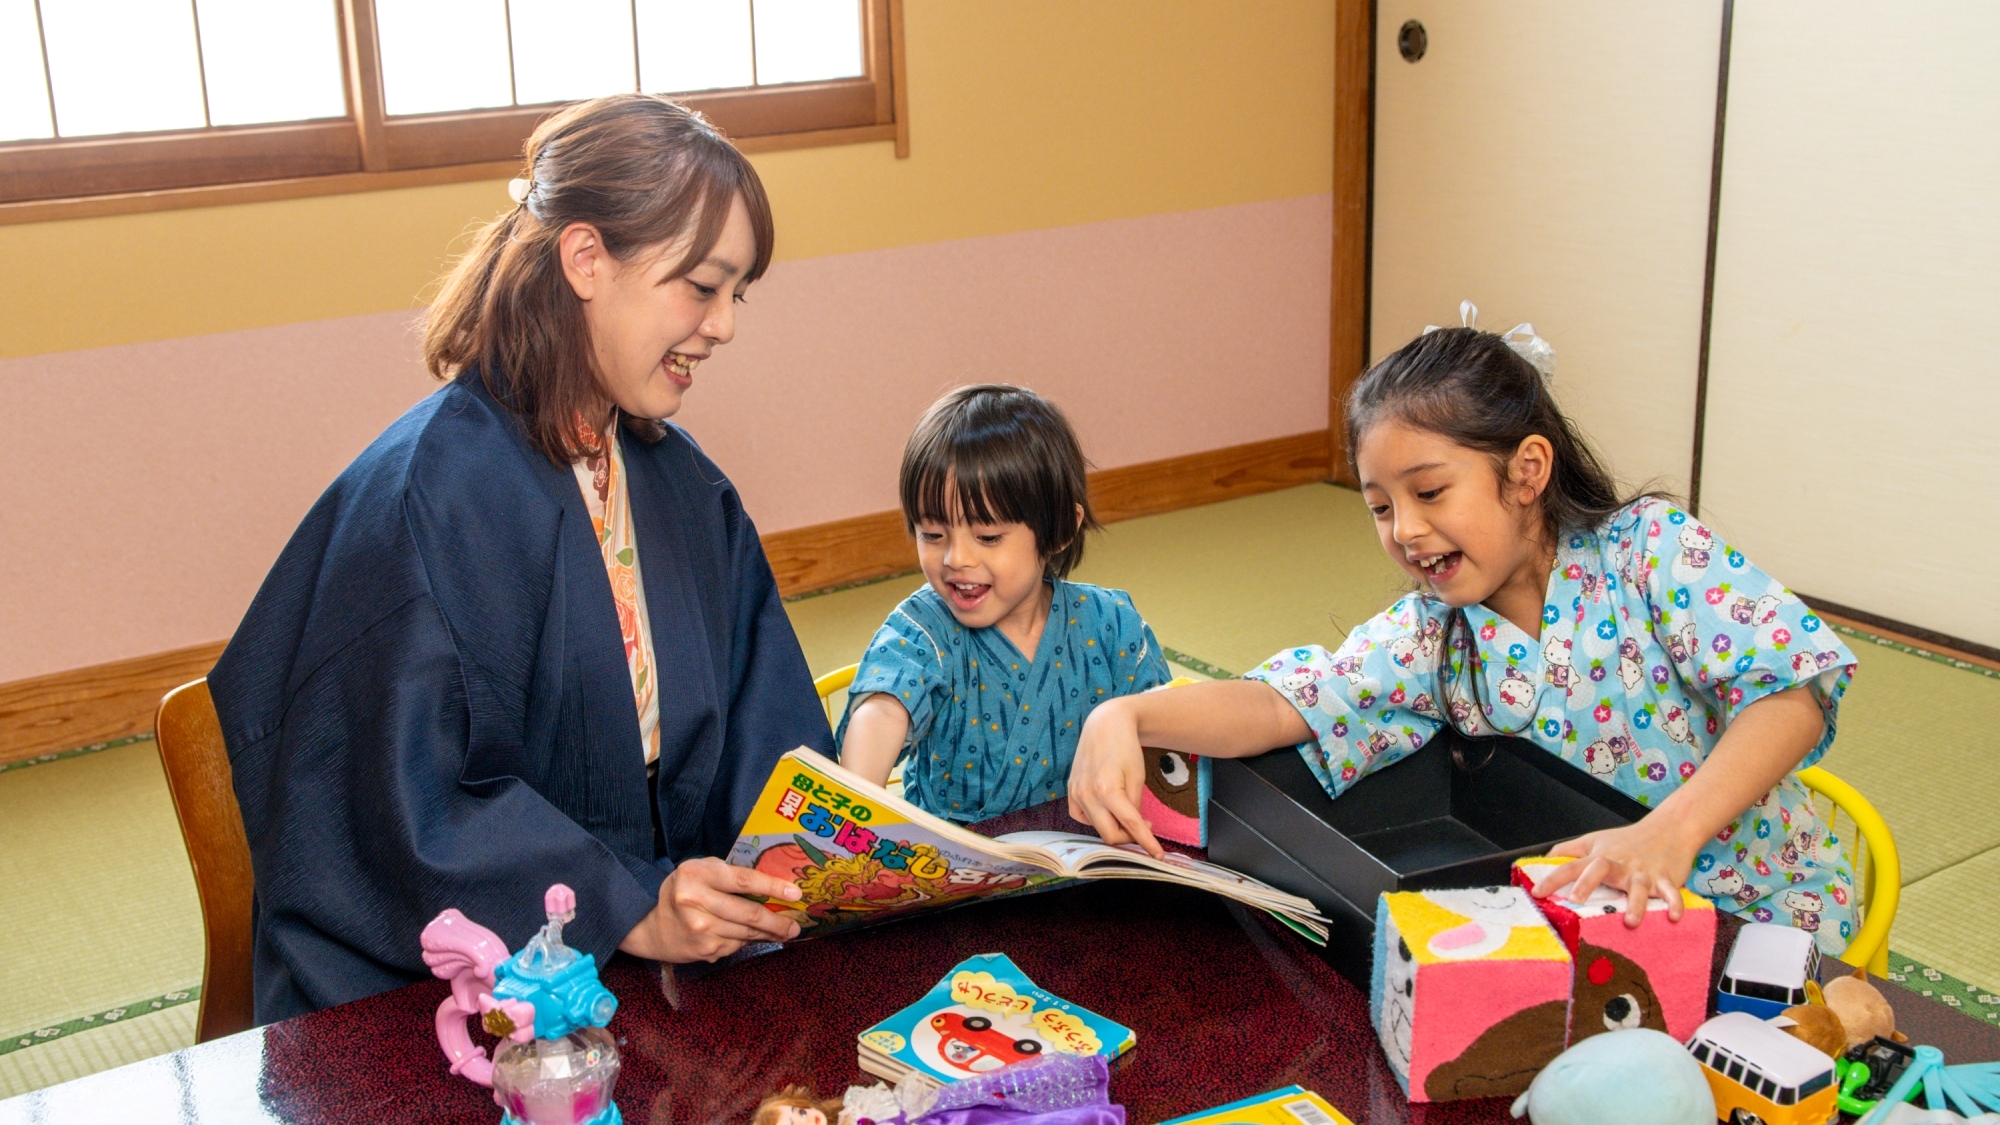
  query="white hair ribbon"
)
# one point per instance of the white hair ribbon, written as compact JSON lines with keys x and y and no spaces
{"x":1539,"y":353}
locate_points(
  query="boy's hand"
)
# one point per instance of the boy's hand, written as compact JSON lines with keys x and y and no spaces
{"x":1108,"y":777}
{"x":1645,"y":860}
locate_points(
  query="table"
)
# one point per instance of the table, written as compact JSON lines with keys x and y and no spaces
{"x":1226,"y":1004}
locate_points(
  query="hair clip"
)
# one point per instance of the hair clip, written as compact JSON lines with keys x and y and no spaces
{"x":1539,"y":353}
{"x":517,"y":190}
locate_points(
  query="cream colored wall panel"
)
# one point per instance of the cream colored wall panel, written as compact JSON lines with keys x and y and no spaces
{"x":1853,"y":443}
{"x":1549,"y":160}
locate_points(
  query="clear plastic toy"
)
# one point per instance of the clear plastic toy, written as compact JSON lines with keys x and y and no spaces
{"x":556,"y":1065}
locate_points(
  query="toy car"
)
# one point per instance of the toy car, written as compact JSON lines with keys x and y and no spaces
{"x":971,"y":1044}
{"x":1767,"y":971}
{"x":1762,"y":1076}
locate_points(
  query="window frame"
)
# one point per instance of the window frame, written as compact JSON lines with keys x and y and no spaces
{"x":367,"y":150}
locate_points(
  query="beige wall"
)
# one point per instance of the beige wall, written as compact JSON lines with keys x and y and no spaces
{"x":1131,"y":214}
{"x":1549,"y":160}
{"x":1854,"y":396}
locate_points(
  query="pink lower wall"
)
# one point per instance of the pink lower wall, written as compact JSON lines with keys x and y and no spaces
{"x":145,"y":489}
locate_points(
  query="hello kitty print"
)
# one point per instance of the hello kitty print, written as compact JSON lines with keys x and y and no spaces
{"x":1655,"y":634}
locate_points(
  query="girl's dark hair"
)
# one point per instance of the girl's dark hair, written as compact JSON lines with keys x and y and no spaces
{"x":1000,"y":454}
{"x":1472,"y":388}
{"x":645,"y":172}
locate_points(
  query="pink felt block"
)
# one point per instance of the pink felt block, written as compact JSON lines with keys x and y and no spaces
{"x":1471,"y":991}
{"x":1654,"y":975}
{"x":1168,"y":824}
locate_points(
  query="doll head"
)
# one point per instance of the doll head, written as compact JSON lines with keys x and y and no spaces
{"x":795,"y":1105}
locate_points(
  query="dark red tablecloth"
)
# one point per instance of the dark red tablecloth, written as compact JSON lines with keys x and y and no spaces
{"x":1226,"y":1004}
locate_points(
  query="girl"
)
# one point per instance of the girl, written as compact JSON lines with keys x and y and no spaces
{"x":983,"y":677}
{"x":530,"y":635}
{"x":1619,"y":634}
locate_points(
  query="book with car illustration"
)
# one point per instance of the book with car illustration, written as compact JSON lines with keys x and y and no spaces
{"x":985,"y":1014}
{"x":860,"y":854}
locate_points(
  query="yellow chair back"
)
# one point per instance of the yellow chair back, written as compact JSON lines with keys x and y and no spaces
{"x":1865,"y":839}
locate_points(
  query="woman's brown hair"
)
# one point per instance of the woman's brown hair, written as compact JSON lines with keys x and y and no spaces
{"x":646,"y":173}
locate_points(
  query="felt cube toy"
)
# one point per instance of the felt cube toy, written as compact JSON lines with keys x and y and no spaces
{"x":1469,"y":991}
{"x":1175,"y":800}
{"x":1654,"y":975}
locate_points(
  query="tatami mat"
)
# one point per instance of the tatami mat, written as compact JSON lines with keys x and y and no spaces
{"x":96,"y":877}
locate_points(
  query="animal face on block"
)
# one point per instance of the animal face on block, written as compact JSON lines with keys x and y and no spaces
{"x":1470,"y":991}
{"x":1654,"y":976}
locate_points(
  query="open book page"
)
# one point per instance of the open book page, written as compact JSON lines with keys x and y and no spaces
{"x":860,"y":854}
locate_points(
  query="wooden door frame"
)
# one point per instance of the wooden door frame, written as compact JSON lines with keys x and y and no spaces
{"x":1353,"y":211}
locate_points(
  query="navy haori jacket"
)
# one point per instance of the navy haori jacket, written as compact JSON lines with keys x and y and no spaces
{"x":427,"y":704}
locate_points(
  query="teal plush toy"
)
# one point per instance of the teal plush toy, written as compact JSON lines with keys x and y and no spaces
{"x":1634,"y":1077}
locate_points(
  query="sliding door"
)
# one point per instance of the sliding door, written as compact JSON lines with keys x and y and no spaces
{"x":1853,"y":422}
{"x":1550,"y":161}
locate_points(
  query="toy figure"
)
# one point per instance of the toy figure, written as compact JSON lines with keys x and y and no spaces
{"x":1967,"y":1089}
{"x":556,"y":1064}
{"x":795,"y":1105}
{"x":1635,"y":1077}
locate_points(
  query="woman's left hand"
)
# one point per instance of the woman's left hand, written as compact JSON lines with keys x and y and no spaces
{"x":1647,"y":860}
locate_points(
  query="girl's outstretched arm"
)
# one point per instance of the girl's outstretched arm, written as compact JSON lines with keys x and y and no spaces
{"x":876,"y":732}
{"x":1652,"y":858}
{"x":1219,"y":719}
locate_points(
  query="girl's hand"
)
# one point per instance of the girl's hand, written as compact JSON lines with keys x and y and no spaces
{"x":1108,"y":776}
{"x":702,"y":915}
{"x":1650,"y":859}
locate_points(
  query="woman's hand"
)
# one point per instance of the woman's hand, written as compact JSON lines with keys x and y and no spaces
{"x":1108,"y":776}
{"x":702,"y":916}
{"x":1650,"y":859}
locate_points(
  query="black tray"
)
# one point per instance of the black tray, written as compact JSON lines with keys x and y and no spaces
{"x":1427,"y":821}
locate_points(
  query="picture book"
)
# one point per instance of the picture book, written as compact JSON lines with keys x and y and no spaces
{"x":1293,"y":1105}
{"x":985,"y":1014}
{"x":860,"y":854}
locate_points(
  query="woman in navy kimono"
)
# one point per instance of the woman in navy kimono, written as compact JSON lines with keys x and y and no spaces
{"x":529,"y":636}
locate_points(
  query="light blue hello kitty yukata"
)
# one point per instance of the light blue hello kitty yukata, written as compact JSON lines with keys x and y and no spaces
{"x":1654,"y":636}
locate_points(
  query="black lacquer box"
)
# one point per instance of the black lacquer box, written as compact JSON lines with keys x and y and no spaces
{"x":1434,"y":819}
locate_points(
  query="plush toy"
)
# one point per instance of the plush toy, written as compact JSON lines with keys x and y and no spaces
{"x":1634,"y":1077}
{"x":1653,"y":975}
{"x":1470,"y":991}
{"x":1863,"y":1012}
{"x":1817,"y":1026}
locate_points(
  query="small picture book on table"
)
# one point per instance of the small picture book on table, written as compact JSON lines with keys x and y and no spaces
{"x":1293,"y":1105}
{"x":985,"y":1014}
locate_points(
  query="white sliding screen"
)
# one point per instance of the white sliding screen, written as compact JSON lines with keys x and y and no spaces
{"x":1550,"y":160}
{"x":1853,"y":423}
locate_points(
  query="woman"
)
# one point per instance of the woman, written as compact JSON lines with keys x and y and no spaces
{"x":529,"y":636}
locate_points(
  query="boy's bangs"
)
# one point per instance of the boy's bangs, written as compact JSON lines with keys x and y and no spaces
{"x":971,"y":481}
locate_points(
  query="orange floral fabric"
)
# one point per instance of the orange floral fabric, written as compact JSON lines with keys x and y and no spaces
{"x":601,"y":476}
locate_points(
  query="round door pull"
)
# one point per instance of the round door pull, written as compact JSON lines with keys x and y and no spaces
{"x":1413,"y":40}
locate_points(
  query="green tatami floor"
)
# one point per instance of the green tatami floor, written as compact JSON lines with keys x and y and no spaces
{"x":100,"y":900}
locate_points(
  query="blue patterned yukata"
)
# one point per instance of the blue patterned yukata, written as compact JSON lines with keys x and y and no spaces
{"x":1654,"y":636}
{"x":991,"y":731}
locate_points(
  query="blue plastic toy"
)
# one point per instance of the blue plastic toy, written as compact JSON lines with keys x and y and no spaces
{"x":1970,"y":1088}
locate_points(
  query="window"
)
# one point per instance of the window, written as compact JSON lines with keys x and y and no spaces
{"x":121,"y":96}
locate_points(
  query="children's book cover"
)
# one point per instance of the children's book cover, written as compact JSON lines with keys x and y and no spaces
{"x":1293,"y":1105}
{"x":858,"y":858}
{"x":985,"y":1014}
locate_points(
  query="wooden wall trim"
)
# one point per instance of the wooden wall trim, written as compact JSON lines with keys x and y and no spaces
{"x":1353,"y":174}
{"x":66,"y":710}
{"x":826,"y":555}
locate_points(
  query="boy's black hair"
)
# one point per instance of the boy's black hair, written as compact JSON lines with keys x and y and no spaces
{"x":1000,"y":454}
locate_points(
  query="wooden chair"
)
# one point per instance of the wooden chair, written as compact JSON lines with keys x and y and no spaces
{"x":197,"y":765}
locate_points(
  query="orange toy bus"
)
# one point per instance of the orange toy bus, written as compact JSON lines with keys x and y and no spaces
{"x":1761,"y":1075}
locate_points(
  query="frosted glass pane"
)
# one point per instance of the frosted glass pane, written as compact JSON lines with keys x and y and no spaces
{"x":807,"y":40}
{"x":270,"y":60}
{"x":24,"y":100}
{"x":442,"y":55}
{"x":122,"y":66}
{"x":693,"y":45}
{"x":565,"y":50}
